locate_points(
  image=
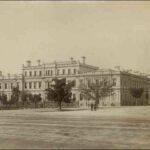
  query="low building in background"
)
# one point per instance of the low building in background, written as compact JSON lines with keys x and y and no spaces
{"x":35,"y":79}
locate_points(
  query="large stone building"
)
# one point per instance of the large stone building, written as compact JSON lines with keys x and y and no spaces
{"x":36,"y":78}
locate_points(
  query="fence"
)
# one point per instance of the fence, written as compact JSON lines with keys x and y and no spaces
{"x":46,"y":104}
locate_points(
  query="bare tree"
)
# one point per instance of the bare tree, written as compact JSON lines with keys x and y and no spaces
{"x":98,"y":89}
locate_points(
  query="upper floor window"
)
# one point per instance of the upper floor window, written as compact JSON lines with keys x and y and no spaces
{"x":69,"y":71}
{"x":25,"y":73}
{"x":114,"y":81}
{"x":74,"y":83}
{"x":40,"y":85}
{"x":48,"y":72}
{"x":30,"y":85}
{"x":18,"y":84}
{"x":30,"y":73}
{"x":34,"y":85}
{"x":74,"y":96}
{"x":74,"y":71}
{"x":40,"y":73}
{"x":11,"y":85}
{"x":34,"y":73}
{"x":25,"y":85}
{"x":0,"y":86}
{"x":51,"y":72}
{"x":48,"y":85}
{"x":57,"y":72}
{"x":5,"y":85}
{"x":63,"y":71}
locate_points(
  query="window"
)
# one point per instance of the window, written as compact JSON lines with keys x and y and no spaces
{"x":30,"y":73}
{"x":74,"y":82}
{"x":81,"y":97}
{"x":34,"y":73}
{"x":30,"y":85}
{"x":5,"y":85}
{"x":88,"y":81}
{"x":48,"y":72}
{"x":69,"y":71}
{"x":57,"y":72}
{"x":63,"y":71}
{"x":25,"y":73}
{"x":34,"y":85}
{"x":0,"y":86}
{"x":51,"y":72}
{"x":74,"y":71}
{"x":6,"y":96}
{"x":74,"y":96}
{"x":48,"y":84}
{"x":11,"y":85}
{"x":18,"y":84}
{"x":97,"y":81}
{"x":81,"y":81}
{"x":40,"y":85}
{"x":25,"y":85}
{"x":114,"y":81}
{"x":40,"y":73}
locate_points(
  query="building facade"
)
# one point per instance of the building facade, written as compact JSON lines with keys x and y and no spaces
{"x":35,"y":79}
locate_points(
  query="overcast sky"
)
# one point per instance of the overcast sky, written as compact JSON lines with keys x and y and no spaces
{"x":108,"y":33}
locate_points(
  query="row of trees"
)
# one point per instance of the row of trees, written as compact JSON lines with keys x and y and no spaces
{"x":60,"y":91}
{"x":20,"y":98}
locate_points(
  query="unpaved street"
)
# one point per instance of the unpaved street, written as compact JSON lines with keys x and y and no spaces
{"x":124,"y":127}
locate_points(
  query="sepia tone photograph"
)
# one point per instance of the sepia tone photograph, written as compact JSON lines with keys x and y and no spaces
{"x":75,"y":75}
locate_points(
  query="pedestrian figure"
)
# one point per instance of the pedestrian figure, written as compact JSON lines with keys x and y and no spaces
{"x":95,"y":106}
{"x":92,"y":105}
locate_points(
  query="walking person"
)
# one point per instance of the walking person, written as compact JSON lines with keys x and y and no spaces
{"x":92,"y":105}
{"x":95,"y":106}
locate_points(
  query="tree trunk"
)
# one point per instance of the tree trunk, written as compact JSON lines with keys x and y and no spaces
{"x":136,"y":102}
{"x":59,"y":105}
{"x":34,"y":104}
{"x":44,"y":104}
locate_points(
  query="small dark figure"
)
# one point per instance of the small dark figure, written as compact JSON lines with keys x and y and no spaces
{"x":95,"y":106}
{"x":92,"y":106}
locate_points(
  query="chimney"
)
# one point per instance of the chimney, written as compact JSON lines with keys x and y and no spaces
{"x":39,"y":62}
{"x":28,"y":63}
{"x":83,"y":59}
{"x":8,"y":75}
{"x":117,"y":67}
{"x":71,"y":58}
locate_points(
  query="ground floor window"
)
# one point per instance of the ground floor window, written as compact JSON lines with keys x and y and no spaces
{"x":74,"y":96}
{"x":81,"y":97}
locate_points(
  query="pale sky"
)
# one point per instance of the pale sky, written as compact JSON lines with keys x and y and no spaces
{"x":108,"y":33}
